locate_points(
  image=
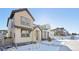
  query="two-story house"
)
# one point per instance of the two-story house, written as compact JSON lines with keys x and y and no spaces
{"x":21,"y":27}
{"x":60,"y":32}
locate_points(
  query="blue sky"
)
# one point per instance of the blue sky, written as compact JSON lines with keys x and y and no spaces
{"x":56,"y":17}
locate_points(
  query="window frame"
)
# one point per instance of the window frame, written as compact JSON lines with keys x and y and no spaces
{"x":25,"y":34}
{"x":24,"y":21}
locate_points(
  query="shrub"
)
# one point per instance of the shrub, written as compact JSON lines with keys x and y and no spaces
{"x":49,"y":39}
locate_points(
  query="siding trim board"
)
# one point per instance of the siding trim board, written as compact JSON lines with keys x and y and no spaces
{"x":23,"y":27}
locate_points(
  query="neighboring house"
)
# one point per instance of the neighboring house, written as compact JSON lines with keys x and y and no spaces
{"x":2,"y":36}
{"x":5,"y":41}
{"x":21,"y":27}
{"x":45,"y":27}
{"x":60,"y":32}
{"x":3,"y":32}
{"x":45,"y":31}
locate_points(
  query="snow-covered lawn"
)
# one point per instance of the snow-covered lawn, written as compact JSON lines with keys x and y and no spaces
{"x":42,"y":46}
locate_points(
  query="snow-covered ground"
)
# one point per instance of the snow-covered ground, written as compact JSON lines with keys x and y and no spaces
{"x":42,"y":46}
{"x":56,"y":44}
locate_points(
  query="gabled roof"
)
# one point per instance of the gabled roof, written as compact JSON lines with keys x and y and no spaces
{"x":37,"y":26}
{"x":19,"y":10}
{"x":58,"y":29}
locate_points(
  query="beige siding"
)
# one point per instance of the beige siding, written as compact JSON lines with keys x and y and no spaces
{"x":17,"y":17}
{"x":19,"y":39}
{"x":45,"y":34}
{"x":34,"y":34}
{"x":25,"y":14}
{"x":17,"y":35}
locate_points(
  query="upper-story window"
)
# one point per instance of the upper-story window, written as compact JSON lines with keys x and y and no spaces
{"x":25,"y":21}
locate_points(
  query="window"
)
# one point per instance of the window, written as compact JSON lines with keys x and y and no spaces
{"x":25,"y":33}
{"x":25,"y":21}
